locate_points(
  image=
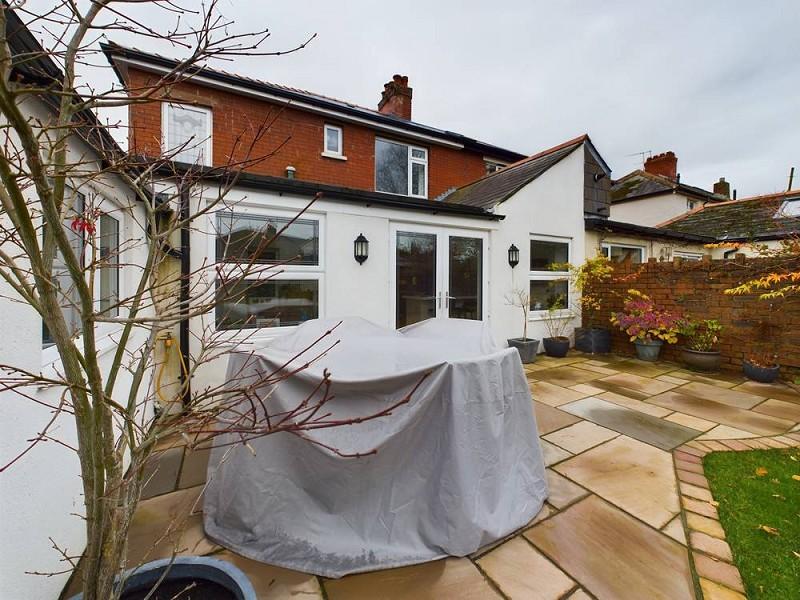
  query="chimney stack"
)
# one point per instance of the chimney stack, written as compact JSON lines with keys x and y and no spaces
{"x":665,"y":165}
{"x":396,"y":98}
{"x":722,"y":188}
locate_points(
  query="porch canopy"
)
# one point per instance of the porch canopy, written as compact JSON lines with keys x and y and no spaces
{"x":455,"y":468}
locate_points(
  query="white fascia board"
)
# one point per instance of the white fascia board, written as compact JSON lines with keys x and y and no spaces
{"x":302,"y":105}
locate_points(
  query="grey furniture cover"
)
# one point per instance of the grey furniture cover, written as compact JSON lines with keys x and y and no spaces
{"x":456,"y":468}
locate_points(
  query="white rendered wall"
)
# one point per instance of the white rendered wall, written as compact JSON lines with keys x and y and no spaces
{"x":650,"y":211}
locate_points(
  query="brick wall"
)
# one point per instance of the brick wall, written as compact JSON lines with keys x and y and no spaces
{"x":295,"y":137}
{"x":696,"y":288}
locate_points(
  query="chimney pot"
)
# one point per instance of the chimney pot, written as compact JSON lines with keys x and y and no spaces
{"x":396,"y":98}
{"x":722,"y":188}
{"x":664,"y":164}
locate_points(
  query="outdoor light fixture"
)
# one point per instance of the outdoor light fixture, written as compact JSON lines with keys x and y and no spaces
{"x":513,"y":255}
{"x":361,"y":248}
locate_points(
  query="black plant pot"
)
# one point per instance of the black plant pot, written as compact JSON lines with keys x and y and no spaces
{"x":527,"y":349}
{"x":557,"y":347}
{"x":701,"y":361}
{"x":760,"y":374}
{"x":593,"y":340}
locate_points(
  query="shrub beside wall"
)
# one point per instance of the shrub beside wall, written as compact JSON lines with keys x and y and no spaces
{"x":696,"y":288}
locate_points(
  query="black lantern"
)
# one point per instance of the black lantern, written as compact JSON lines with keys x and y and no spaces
{"x":513,"y":255}
{"x":361,"y":248}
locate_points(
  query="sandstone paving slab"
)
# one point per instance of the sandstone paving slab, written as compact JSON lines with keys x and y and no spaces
{"x":732,"y":397}
{"x":580,"y":436}
{"x":690,"y":421}
{"x":721,"y":413}
{"x":607,"y":386}
{"x":612,"y":555}
{"x":587,"y":388}
{"x":579,"y":595}
{"x":545,"y":512}
{"x":643,"y":368}
{"x":711,"y":545}
{"x":549,"y":419}
{"x":780,"y":408}
{"x":671,"y":379}
{"x":596,"y":368}
{"x":638,"y":383}
{"x":633,"y":404}
{"x":562,"y":491}
{"x":553,"y":454}
{"x":778,"y":391}
{"x":726,"y":432}
{"x":521,"y":572}
{"x":719,"y":571}
{"x":447,"y":579}
{"x":274,"y":582}
{"x":715,"y":591}
{"x":633,"y":475}
{"x":567,"y":376}
{"x":554,"y":395}
{"x":633,"y":423}
{"x":726,"y":380}
{"x":706,"y":525}
{"x":195,"y":466}
{"x":674,"y":529}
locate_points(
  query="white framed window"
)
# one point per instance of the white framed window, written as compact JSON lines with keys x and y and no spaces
{"x":789,"y":208}
{"x":493,"y":166}
{"x":333,"y":142}
{"x":108,"y":245}
{"x":687,"y":255}
{"x":623,"y":252}
{"x":263,"y":297}
{"x":401,"y":169}
{"x":690,"y":204}
{"x":186,"y":133}
{"x":548,"y":273}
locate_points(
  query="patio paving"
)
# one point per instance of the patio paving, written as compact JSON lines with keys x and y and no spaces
{"x":613,"y":526}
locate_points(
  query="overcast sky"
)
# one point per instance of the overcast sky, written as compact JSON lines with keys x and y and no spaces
{"x":716,"y":82}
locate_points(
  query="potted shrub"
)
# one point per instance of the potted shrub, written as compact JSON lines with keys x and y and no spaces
{"x":761,"y":366}
{"x":700,"y":340}
{"x":591,"y":337}
{"x":527,"y":347}
{"x":557,"y":320}
{"x":647,"y":326}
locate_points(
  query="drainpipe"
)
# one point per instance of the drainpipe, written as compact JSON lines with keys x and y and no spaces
{"x":183,"y":298}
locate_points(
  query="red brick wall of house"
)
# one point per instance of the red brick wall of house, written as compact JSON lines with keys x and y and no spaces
{"x":696,"y":288}
{"x":294,"y":138}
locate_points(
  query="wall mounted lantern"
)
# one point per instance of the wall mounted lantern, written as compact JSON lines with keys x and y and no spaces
{"x":361,"y":248}
{"x":513,"y":256}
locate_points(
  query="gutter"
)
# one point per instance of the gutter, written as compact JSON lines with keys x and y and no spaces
{"x":606,"y":225}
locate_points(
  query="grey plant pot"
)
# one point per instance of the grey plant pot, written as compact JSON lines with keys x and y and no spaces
{"x":760,"y":374}
{"x":593,"y":340}
{"x":557,"y":347}
{"x":648,"y":351}
{"x":199,"y":567}
{"x":527,"y":349}
{"x":701,"y":361}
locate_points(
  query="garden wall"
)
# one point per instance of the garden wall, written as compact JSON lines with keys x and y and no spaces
{"x":695,"y":288}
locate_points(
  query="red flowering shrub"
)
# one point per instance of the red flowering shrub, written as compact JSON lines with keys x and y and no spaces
{"x":641,"y":320}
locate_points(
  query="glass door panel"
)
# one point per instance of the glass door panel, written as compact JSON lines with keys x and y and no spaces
{"x":465,"y":278}
{"x":416,"y":277}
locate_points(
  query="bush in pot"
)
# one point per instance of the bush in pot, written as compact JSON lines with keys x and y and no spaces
{"x":647,"y":326}
{"x":527,"y":347}
{"x":557,"y":320}
{"x":586,"y":278}
{"x":700,"y":339}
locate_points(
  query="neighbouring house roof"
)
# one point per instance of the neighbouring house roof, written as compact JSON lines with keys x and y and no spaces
{"x":32,"y":64}
{"x":499,"y":186}
{"x":595,"y":223}
{"x":122,"y":57}
{"x":754,"y":218}
{"x":283,"y":185}
{"x":641,"y":184}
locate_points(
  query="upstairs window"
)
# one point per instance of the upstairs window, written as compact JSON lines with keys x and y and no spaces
{"x":108,"y":243}
{"x":493,"y":166}
{"x":187,"y":133}
{"x":333,"y":142}
{"x":401,"y":169}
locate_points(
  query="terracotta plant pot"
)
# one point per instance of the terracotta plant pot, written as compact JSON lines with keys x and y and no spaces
{"x":760,"y":374}
{"x":527,"y":349}
{"x":701,"y":361}
{"x":557,"y":347}
{"x":648,"y":351}
{"x":593,"y":340}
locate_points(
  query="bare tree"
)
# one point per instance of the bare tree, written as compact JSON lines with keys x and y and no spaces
{"x":58,"y":166}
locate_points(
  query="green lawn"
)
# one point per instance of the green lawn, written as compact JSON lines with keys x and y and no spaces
{"x":760,"y":512}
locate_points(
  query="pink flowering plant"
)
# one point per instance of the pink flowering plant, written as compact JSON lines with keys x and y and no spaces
{"x":642,"y":320}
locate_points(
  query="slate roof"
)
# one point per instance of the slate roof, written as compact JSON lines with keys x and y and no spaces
{"x":746,"y":219}
{"x":114,"y":52}
{"x":640,"y":184}
{"x":497,"y":187}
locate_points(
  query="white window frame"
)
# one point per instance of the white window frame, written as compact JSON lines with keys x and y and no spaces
{"x":283,"y":272}
{"x":494,"y":165}
{"x":606,"y":248}
{"x":538,"y":315}
{"x":331,"y":153}
{"x":165,"y":142}
{"x":687,"y":255}
{"x":411,"y":161}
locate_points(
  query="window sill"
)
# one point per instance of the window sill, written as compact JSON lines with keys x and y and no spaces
{"x":544,"y":316}
{"x":332,"y":155}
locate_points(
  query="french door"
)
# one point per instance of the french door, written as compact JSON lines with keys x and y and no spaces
{"x":437,"y":273}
